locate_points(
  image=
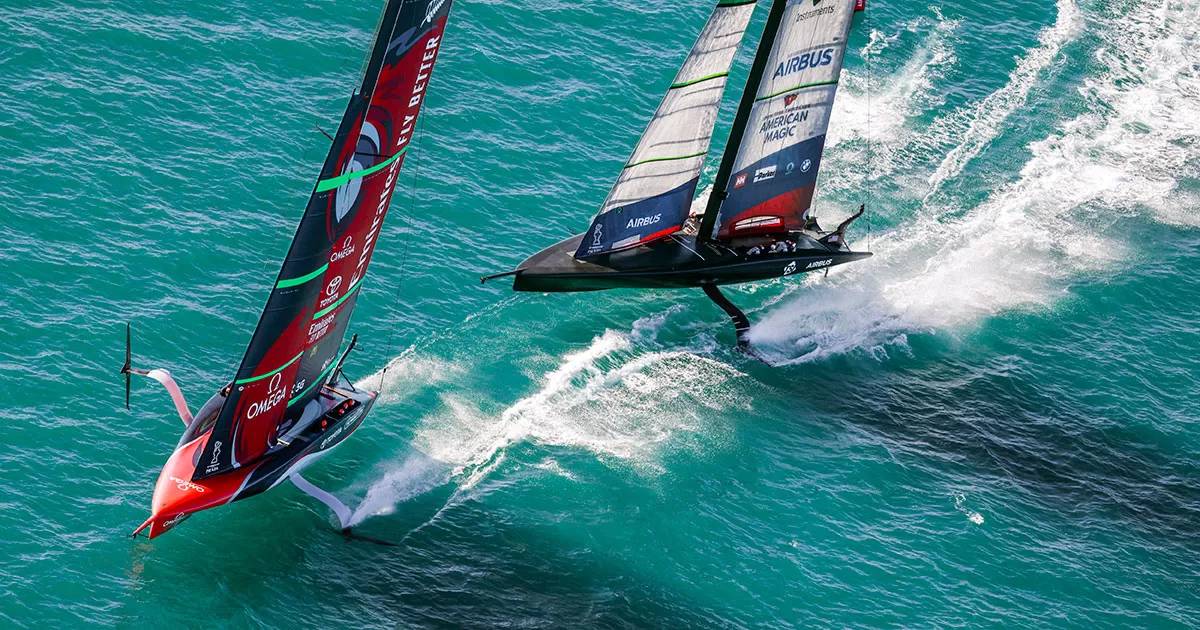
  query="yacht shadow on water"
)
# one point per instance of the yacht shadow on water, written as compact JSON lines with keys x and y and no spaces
{"x":1001,"y":422}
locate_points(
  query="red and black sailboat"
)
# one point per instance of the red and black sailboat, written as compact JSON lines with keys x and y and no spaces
{"x":290,"y":400}
{"x":758,"y":222}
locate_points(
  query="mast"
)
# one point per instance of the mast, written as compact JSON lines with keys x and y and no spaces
{"x":653,"y":195}
{"x":294,"y":349}
{"x":749,"y":95}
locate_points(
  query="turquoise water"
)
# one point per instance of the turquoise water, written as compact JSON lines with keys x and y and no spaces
{"x":991,"y":423}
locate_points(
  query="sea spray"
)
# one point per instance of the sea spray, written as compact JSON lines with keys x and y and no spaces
{"x":983,"y":121}
{"x":1022,"y":247}
{"x":613,"y":399}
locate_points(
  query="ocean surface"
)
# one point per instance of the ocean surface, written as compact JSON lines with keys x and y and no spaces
{"x":992,"y":423}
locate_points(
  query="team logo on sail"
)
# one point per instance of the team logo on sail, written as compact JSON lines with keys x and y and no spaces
{"x":366,"y":153}
{"x":783,"y":126}
{"x":433,"y":9}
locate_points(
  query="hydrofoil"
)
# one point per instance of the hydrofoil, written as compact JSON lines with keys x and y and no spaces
{"x":758,"y":223}
{"x":289,"y":401}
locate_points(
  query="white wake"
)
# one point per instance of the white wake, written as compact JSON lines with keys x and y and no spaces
{"x":949,"y":268}
{"x":614,"y":399}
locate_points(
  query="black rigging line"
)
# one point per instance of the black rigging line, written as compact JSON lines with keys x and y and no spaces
{"x":418,"y":137}
{"x":870,"y":147}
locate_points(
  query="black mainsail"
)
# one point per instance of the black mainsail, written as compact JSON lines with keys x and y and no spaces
{"x":293,"y":351}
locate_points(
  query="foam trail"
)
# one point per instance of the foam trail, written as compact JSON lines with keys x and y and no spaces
{"x":878,"y":107}
{"x":960,"y":504}
{"x":611,"y":399}
{"x":1141,"y":132}
{"x":406,"y":374}
{"x":882,"y":113}
{"x":987,"y":118}
{"x":1024,"y":245}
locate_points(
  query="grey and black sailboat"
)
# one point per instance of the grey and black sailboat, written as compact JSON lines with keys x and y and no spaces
{"x":758,"y":222}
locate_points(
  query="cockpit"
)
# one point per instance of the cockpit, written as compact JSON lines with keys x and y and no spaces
{"x":204,"y":419}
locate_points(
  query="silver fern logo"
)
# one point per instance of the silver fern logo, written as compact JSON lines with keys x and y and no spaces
{"x":432,"y":10}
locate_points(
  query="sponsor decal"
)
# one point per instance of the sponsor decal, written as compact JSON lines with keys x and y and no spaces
{"x":275,"y":395}
{"x":186,"y":486}
{"x":757,"y":222}
{"x":175,"y":520}
{"x":820,"y":263}
{"x":806,"y":166}
{"x":825,"y":10}
{"x":337,"y":433}
{"x":407,"y":127}
{"x":740,"y":180}
{"x":765,"y":174}
{"x":791,"y":168}
{"x":790,"y":269}
{"x":789,"y":99}
{"x":332,"y":292}
{"x":804,"y":61}
{"x":318,"y":328}
{"x":782,"y":126}
{"x":333,"y":286}
{"x":642,"y":222}
{"x":346,"y":250}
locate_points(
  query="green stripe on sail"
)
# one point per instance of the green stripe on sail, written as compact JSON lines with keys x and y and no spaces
{"x":668,"y":159}
{"x":803,"y":86}
{"x":325,"y":311}
{"x":317,"y":381}
{"x":683,"y":84}
{"x":326,"y":185}
{"x":295,"y":282}
{"x":254,"y":379}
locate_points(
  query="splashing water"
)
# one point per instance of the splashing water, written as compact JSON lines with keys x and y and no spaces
{"x":960,"y":504}
{"x":978,"y":126}
{"x":1022,"y":246}
{"x":625,"y":406}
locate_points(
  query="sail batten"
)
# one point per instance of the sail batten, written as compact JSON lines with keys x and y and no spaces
{"x":293,"y":351}
{"x":768,"y":177}
{"x":654,"y":190}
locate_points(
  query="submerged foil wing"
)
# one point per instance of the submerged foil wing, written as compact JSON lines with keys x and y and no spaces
{"x":774,"y":172}
{"x":654,"y":191}
{"x":294,"y":349}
